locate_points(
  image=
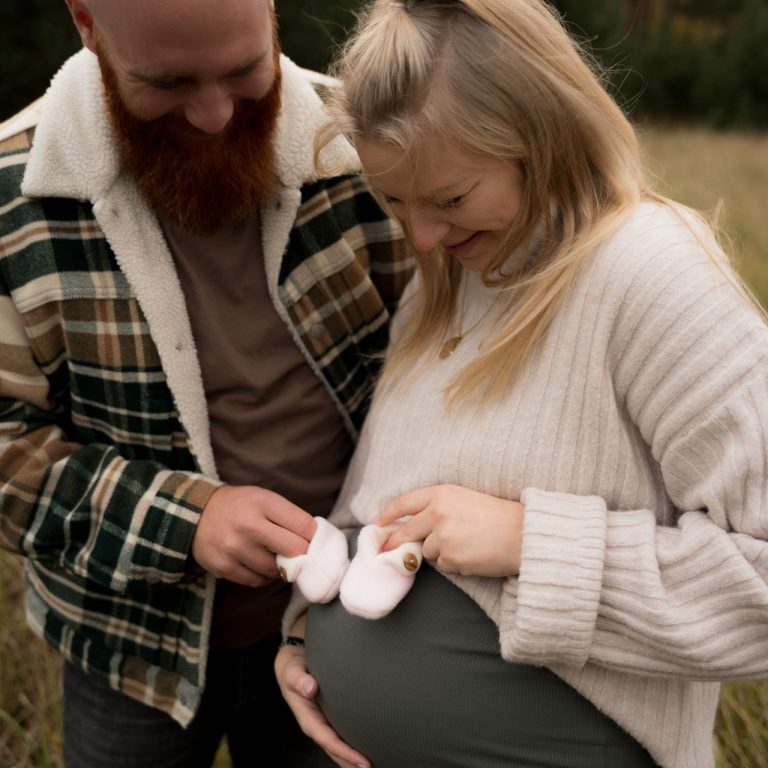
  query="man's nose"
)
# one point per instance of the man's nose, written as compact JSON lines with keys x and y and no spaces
{"x":210,"y":110}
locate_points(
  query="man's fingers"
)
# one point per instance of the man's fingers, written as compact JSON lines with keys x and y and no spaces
{"x":281,"y":541}
{"x":242,"y":574}
{"x":260,"y":562}
{"x":285,"y":531}
{"x":287,"y":516}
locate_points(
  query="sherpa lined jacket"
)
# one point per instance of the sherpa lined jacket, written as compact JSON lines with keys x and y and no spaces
{"x":105,"y":454}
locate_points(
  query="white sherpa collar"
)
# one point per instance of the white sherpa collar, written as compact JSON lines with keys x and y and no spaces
{"x":75,"y":156}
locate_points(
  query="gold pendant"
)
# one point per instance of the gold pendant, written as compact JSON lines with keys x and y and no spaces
{"x":449,"y":347}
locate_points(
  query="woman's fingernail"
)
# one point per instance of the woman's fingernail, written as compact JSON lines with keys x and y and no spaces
{"x":307,"y":687}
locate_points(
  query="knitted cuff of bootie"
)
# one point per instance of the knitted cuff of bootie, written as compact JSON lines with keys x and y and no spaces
{"x":319,"y":572}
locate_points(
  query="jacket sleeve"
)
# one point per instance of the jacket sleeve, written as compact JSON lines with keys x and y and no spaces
{"x":682,"y":591}
{"x":84,"y":508}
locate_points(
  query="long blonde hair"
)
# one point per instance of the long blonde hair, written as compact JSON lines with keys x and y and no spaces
{"x":501,"y":78}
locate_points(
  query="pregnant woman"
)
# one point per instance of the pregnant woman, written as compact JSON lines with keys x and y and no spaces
{"x":573,"y":419}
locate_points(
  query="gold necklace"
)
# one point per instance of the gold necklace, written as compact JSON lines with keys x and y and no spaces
{"x":449,"y":346}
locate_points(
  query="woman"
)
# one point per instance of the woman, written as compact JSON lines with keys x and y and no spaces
{"x":573,"y":418}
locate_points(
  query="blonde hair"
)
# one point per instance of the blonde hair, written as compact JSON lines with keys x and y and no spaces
{"x":501,"y":78}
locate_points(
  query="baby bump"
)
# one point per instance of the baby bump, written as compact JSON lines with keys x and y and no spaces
{"x":426,"y":687}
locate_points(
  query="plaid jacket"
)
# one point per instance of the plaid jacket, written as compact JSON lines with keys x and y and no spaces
{"x":105,"y":455}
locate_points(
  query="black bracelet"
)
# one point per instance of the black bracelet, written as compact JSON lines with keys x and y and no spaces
{"x":292,"y":640}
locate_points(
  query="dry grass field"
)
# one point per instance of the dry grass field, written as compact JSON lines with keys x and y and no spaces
{"x":709,"y":170}
{"x":695,"y":166}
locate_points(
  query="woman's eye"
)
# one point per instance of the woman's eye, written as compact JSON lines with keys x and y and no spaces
{"x":454,"y":202}
{"x":390,"y":200}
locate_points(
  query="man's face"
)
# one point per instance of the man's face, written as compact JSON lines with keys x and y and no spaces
{"x":196,"y":59}
{"x":194,"y":105}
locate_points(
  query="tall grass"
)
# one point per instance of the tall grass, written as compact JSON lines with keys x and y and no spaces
{"x":30,"y":714}
{"x":727,"y":171}
{"x":694,"y":166}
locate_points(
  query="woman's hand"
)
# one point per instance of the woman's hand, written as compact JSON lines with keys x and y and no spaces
{"x":299,"y":689}
{"x":464,"y":531}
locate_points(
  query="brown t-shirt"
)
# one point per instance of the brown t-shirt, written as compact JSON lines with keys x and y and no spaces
{"x":273,"y":424}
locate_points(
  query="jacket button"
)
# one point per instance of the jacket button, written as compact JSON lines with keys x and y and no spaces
{"x":318,"y":332}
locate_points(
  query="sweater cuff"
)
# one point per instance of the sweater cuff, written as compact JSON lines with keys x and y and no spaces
{"x":548,"y":613}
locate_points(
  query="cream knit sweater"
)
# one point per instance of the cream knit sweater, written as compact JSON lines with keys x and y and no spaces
{"x":638,"y":444}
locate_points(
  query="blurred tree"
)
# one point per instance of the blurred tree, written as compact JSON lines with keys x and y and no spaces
{"x":689,"y":59}
{"x":596,"y":20}
{"x":646,"y":14}
{"x":733,"y":85}
{"x":721,"y":10}
{"x":312,"y":30}
{"x":36,"y":36}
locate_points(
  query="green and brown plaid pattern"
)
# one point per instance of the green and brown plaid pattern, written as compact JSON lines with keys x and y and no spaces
{"x":98,"y":487}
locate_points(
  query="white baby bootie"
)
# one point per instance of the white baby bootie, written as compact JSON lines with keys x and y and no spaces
{"x":377,"y":581}
{"x":319,"y":572}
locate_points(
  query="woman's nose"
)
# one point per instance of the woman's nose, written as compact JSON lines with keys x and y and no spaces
{"x":427,"y":232}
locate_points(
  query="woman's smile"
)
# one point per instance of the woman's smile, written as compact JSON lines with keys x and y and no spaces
{"x":467,"y":206}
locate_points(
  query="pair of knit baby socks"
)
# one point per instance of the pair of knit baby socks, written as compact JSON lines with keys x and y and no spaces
{"x":371,"y":585}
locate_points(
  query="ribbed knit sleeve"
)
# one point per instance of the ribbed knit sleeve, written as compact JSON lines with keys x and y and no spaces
{"x":679,"y":588}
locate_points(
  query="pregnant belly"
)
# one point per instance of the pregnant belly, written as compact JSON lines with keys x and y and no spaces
{"x":426,"y":686}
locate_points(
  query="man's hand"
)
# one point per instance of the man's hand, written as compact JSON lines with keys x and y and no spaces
{"x":243,"y":527}
{"x":463,"y":531}
{"x":299,"y":689}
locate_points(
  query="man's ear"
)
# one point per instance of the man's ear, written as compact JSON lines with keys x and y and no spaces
{"x":83,"y":19}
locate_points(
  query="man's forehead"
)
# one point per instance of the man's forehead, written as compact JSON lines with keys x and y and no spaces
{"x":180,"y":16}
{"x":167,"y":34}
{"x":141,"y":7}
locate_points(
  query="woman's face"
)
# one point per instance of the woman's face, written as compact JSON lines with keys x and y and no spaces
{"x":461,"y":201}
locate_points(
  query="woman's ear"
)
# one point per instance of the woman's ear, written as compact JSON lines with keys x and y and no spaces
{"x":83,"y":19}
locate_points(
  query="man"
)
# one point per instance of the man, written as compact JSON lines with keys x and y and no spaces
{"x":189,"y":317}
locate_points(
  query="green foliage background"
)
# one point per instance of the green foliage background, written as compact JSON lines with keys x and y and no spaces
{"x":690,"y":60}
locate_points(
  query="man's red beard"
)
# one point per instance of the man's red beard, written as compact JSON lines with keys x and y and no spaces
{"x":198,"y":181}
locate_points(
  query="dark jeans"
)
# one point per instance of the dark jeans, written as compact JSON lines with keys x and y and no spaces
{"x":106,"y":729}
